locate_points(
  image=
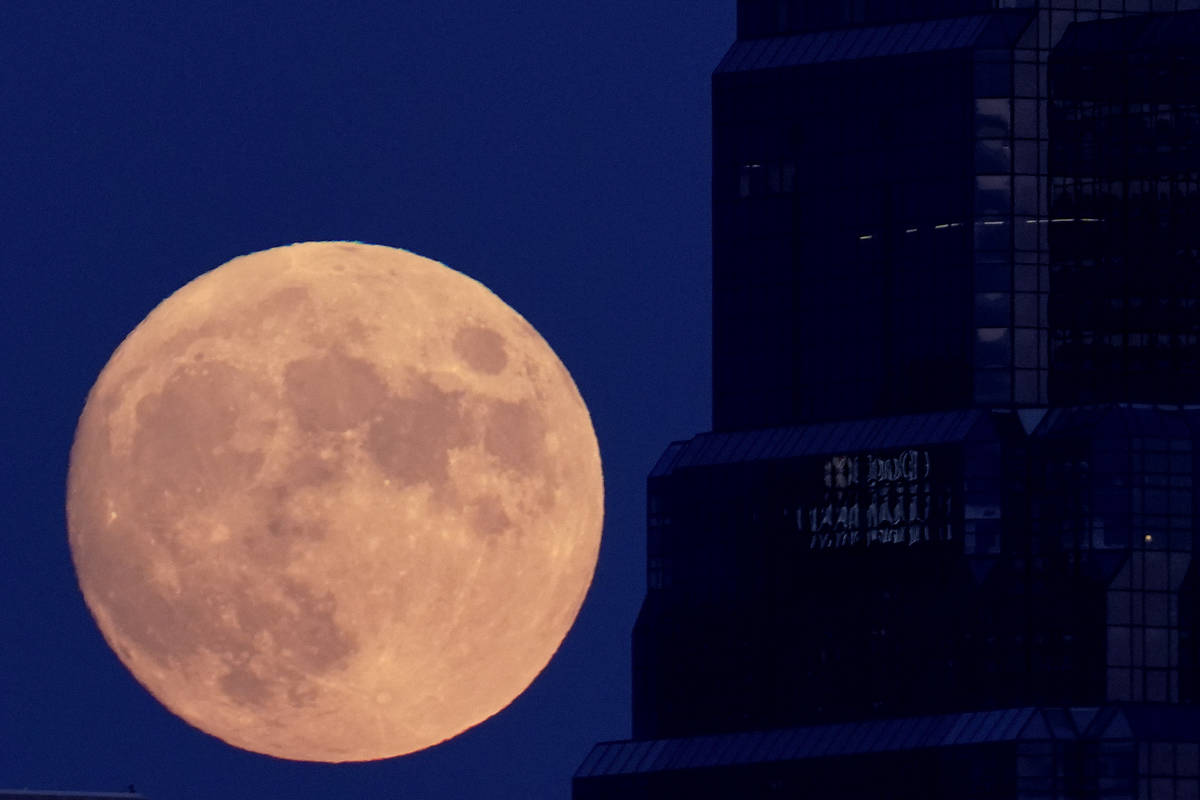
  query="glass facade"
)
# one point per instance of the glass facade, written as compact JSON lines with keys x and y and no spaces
{"x":934,"y":562}
{"x":1124,"y":121}
{"x":826,"y":231}
{"x":832,"y":581}
{"x":939,"y":541}
{"x":1114,"y":511}
{"x":902,"y":194}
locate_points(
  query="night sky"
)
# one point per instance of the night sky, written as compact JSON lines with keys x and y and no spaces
{"x":556,"y":151}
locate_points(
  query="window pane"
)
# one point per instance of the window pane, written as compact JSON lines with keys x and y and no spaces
{"x":1156,"y":571}
{"x":1026,"y":340}
{"x":1025,"y":117}
{"x":992,"y":386}
{"x":991,"y":308}
{"x":1026,"y":388}
{"x":993,"y":116}
{"x":1187,"y":757}
{"x":1118,"y":646}
{"x":1118,"y":608}
{"x":1118,"y":684}
{"x":991,"y":347}
{"x":992,"y":156}
{"x":993,"y":195}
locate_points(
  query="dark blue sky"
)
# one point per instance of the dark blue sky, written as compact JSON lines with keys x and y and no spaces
{"x":556,"y":151}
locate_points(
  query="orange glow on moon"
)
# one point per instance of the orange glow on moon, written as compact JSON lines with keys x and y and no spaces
{"x":334,"y":502}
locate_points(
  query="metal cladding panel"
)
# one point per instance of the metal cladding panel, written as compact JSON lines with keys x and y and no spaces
{"x":873,"y":736}
{"x":770,"y":52}
{"x":996,"y":724}
{"x":782,"y":744}
{"x":753,"y":52}
{"x":886,"y":433}
{"x":790,"y":44}
{"x":723,"y":445}
{"x":958,"y":724}
{"x":893,"y":40}
{"x":589,"y":763}
{"x":648,"y":757}
{"x":734,"y":59}
{"x":666,"y":462}
{"x":840,"y":739}
{"x":861,"y":437}
{"x":611,"y":751}
{"x":724,"y":749}
{"x":757,"y":746}
{"x":819,"y":440}
{"x":669,"y":757}
{"x":978,"y":728}
{"x":826,"y":45}
{"x":857,"y":45}
{"x":1144,"y":722}
{"x":943,"y":36}
{"x":848,"y":44}
{"x":906,"y":734}
{"x":693,"y":454}
{"x":631,"y":752}
{"x":692,"y":751}
{"x":754,"y":448}
{"x":925,"y":732}
{"x":792,"y":444}
{"x":655,"y":758}
{"x":817,"y":743}
{"x":1015,"y":723}
{"x":763,"y":447}
{"x":739,"y":747}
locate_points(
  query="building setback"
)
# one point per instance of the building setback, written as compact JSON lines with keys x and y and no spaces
{"x":939,"y":540}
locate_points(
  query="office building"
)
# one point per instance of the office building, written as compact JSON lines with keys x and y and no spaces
{"x":938,"y":542}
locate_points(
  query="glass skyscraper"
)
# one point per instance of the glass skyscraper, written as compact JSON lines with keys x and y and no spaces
{"x":939,"y":540}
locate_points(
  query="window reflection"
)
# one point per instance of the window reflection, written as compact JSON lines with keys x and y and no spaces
{"x":993,"y":117}
{"x":769,"y":177}
{"x":992,"y":156}
{"x":992,"y":308}
{"x":993,"y":194}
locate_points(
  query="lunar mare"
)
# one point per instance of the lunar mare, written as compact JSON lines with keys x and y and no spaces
{"x":334,"y":502}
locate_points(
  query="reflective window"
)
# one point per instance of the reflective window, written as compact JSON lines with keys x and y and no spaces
{"x":993,"y":117}
{"x":993,"y":156}
{"x":993,"y":194}
{"x":1122,"y":174}
{"x":992,"y":347}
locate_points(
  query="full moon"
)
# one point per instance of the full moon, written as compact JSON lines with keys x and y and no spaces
{"x":334,"y":502}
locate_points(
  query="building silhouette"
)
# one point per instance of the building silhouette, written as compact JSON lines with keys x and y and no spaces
{"x":939,"y":540}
